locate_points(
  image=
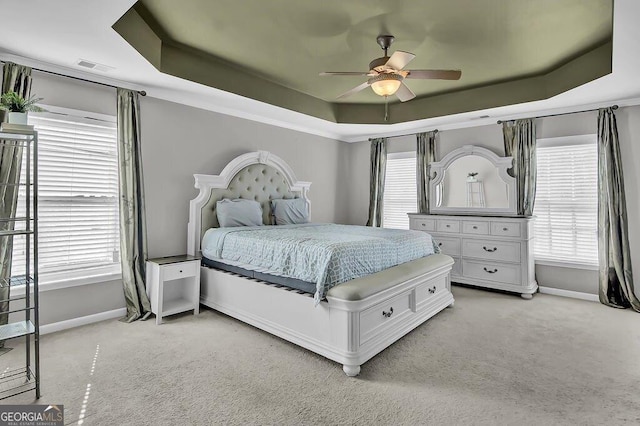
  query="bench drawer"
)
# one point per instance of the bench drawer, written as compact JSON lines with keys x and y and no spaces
{"x":376,"y":319}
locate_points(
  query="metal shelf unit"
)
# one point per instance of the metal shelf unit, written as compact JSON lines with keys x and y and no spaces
{"x":24,"y":378}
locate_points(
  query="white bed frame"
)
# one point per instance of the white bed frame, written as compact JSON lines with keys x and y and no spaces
{"x":346,"y":329}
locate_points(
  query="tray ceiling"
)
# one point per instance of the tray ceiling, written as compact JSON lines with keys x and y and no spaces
{"x":272,"y":51}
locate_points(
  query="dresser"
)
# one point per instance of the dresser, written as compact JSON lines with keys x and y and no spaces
{"x":491,"y":252}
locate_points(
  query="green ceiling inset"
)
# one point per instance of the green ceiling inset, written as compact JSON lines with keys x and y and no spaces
{"x":272,"y":51}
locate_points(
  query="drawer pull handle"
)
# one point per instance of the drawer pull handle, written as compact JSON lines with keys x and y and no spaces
{"x":505,"y":229}
{"x":475,"y":227}
{"x":448,"y":226}
{"x":388,"y":314}
{"x":439,"y":244}
{"x":432,"y":289}
{"x":491,"y":272}
{"x":490,"y":250}
{"x":180,"y":270}
{"x":423,"y":224}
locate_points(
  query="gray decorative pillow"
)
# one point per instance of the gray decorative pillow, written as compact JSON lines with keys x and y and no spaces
{"x":238,"y":212}
{"x":289,"y":212}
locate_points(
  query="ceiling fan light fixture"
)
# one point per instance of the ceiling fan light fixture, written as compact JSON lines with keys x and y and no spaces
{"x":386,"y":84}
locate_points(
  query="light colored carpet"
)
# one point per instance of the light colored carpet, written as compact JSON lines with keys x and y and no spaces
{"x":492,"y":359}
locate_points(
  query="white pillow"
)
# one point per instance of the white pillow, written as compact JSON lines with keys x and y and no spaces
{"x":238,"y":212}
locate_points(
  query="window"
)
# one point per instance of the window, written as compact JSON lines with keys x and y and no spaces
{"x":566,"y":205}
{"x":77,"y":199}
{"x":400,"y":190}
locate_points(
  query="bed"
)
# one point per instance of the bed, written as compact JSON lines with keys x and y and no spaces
{"x":348,"y":323}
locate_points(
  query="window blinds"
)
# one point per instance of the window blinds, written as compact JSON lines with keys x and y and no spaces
{"x":77,"y":196}
{"x":566,"y":205}
{"x":400,"y":190}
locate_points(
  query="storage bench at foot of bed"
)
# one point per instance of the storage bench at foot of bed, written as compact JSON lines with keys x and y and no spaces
{"x":358,"y":320}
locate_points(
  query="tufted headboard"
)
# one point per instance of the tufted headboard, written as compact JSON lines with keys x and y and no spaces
{"x":259,"y":176}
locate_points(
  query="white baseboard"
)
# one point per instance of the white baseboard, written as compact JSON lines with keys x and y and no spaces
{"x":568,"y":293}
{"x":77,"y":322}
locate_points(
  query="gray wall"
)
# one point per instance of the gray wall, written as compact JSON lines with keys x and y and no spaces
{"x":490,"y":137}
{"x":178,"y":141}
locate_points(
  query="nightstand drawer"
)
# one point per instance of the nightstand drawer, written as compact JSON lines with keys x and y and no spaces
{"x":179,"y":270}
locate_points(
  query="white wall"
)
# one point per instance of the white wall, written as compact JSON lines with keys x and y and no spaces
{"x":490,"y":137}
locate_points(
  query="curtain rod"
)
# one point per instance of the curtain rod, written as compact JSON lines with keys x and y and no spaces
{"x":614,"y":107}
{"x":140,"y":92}
{"x":406,"y":134}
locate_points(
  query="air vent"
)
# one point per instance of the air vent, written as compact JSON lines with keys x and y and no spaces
{"x":93,"y":66}
{"x":484,"y":116}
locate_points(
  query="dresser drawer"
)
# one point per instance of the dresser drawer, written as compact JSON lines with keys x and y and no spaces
{"x":491,"y":250}
{"x":423,"y":224}
{"x":492,"y":271}
{"x":456,"y":269}
{"x":445,"y":225}
{"x":179,"y":270}
{"x":505,"y":229}
{"x":450,"y":246}
{"x":480,"y":228}
{"x":378,"y":318}
{"x":425,"y":292}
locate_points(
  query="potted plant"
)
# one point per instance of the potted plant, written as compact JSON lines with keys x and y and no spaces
{"x":471,"y":177}
{"x":18,"y":107}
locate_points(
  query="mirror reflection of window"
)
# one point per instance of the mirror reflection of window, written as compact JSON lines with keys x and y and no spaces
{"x":486,"y":188}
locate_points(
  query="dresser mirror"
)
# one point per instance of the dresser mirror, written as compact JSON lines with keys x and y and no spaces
{"x":474,"y":181}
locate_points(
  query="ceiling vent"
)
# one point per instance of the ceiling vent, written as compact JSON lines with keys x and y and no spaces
{"x":93,"y":66}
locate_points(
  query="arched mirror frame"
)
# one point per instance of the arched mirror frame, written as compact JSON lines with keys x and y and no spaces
{"x":437,"y":172}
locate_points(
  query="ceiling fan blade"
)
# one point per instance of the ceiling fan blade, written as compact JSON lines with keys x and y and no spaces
{"x":435,"y":74}
{"x":355,"y":73}
{"x":354,"y":90}
{"x":400,"y":59}
{"x":404,"y":93}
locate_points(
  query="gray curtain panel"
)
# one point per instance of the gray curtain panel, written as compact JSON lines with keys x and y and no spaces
{"x":15,"y":78}
{"x":425,"y":155}
{"x":616,"y":278}
{"x":376,"y":184}
{"x":520,"y":143}
{"x":133,"y":228}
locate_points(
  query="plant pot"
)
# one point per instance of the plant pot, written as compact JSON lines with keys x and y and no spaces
{"x":472,"y":179}
{"x":17,"y":117}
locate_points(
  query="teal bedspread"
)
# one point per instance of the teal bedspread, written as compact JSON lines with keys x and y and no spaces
{"x":325,"y":254}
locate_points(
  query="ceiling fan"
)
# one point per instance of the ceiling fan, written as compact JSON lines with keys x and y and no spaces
{"x":386,"y":74}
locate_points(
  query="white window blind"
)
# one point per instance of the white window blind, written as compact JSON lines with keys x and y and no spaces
{"x":400,"y":190}
{"x":77,"y":196}
{"x":566,"y":205}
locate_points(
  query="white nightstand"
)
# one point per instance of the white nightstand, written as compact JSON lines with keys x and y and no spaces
{"x":173,"y":285}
